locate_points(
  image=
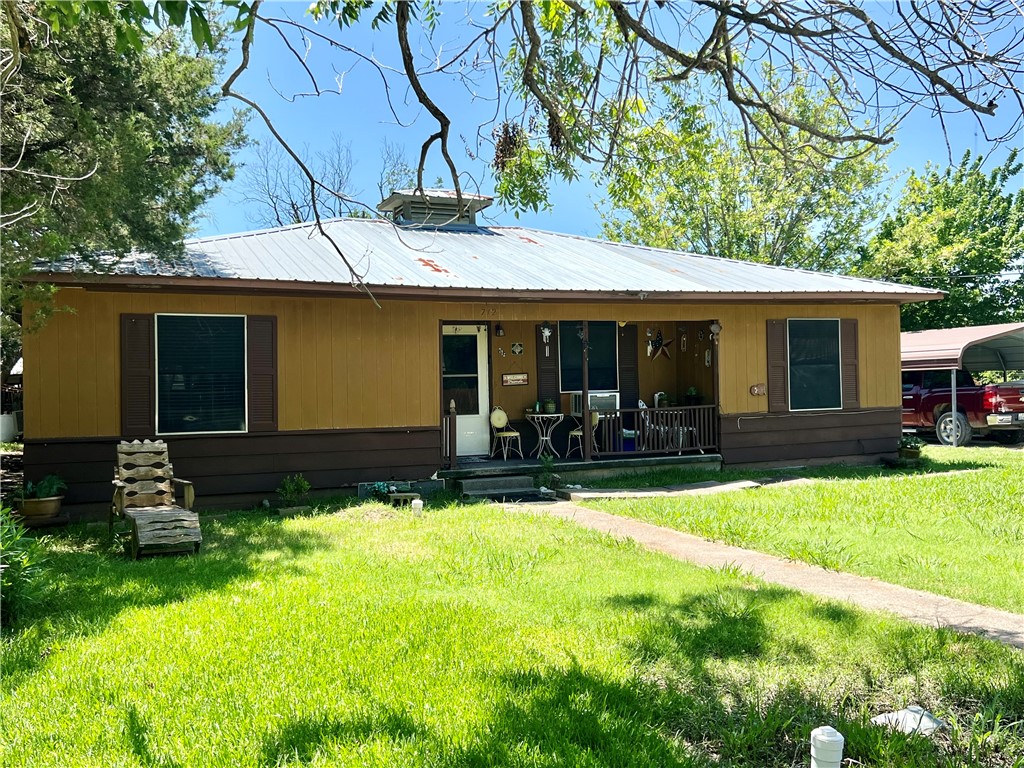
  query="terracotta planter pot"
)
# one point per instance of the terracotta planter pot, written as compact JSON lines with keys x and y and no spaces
{"x":40,"y":509}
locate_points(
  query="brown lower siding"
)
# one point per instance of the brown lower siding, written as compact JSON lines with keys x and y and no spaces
{"x":749,"y":438}
{"x":228,"y":465}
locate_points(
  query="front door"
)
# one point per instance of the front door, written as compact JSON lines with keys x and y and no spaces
{"x":464,"y":379}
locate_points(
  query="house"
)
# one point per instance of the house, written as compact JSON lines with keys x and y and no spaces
{"x":256,"y":356}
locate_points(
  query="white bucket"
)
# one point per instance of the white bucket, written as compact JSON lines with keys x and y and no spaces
{"x":8,"y":427}
{"x":826,"y":747}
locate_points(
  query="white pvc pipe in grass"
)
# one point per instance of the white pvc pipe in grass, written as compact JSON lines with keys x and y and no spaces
{"x":826,"y":747}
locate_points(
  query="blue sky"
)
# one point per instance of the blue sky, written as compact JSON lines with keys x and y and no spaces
{"x":361,"y":116}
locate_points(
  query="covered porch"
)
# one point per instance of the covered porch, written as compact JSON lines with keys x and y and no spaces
{"x":645,"y":388}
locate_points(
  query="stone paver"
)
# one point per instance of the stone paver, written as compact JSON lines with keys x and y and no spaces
{"x":871,"y":594}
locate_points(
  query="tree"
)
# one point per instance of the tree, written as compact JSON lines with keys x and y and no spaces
{"x":278,"y":194}
{"x":689,"y":186}
{"x":103,"y":148}
{"x":961,"y":231}
{"x":572,"y":83}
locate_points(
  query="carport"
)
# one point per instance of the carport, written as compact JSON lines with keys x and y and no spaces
{"x":978,"y":348}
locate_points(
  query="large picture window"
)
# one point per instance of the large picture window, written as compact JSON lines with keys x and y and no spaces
{"x":200,"y":373}
{"x":815,"y":372}
{"x":603,"y":369}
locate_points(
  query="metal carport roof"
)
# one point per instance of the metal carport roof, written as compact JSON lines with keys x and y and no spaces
{"x":978,"y":348}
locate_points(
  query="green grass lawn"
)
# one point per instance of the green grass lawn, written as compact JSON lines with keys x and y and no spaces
{"x":470,"y":637}
{"x":960,"y":535}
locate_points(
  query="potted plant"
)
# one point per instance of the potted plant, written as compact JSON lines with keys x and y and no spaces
{"x":910,"y":447}
{"x":41,"y":501}
{"x":293,"y":492}
{"x":549,"y":405}
{"x":692,"y":397}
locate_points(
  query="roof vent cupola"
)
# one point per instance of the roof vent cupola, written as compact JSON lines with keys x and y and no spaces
{"x":434,"y":207}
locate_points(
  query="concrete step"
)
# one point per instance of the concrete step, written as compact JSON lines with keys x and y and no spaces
{"x":482,"y":486}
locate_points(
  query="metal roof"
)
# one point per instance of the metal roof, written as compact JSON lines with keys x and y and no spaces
{"x":978,"y":348}
{"x":507,"y":259}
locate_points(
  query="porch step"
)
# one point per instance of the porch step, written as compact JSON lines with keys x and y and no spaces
{"x":486,"y":486}
{"x":508,"y":488}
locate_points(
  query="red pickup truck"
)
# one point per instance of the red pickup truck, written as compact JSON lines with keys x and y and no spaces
{"x":996,"y":409}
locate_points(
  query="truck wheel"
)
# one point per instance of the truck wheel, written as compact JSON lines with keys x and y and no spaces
{"x":944,"y":429}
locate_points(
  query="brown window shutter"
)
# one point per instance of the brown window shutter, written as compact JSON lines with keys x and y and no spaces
{"x":138,"y":380}
{"x":547,"y":366}
{"x":778,"y":367}
{"x":261,"y":361}
{"x":848,"y":357}
{"x":629,"y":370}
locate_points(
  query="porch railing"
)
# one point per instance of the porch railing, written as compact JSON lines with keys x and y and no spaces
{"x":449,"y":449}
{"x":682,"y":429}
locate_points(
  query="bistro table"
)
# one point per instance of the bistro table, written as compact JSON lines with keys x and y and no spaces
{"x":545,"y":424}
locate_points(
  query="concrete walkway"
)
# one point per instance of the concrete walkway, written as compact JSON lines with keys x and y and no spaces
{"x":871,"y":594}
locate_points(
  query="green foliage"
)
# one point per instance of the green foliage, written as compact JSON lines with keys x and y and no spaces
{"x":51,"y":485}
{"x":779,"y":196}
{"x":951,"y":534}
{"x":379,"y":491}
{"x":911,"y":441}
{"x":22,"y":567}
{"x":105,"y":148}
{"x":294,"y":489}
{"x":959,"y":230}
{"x":547,"y":477}
{"x":472,"y":637}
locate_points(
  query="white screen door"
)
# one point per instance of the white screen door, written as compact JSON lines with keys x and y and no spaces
{"x":464,"y":379}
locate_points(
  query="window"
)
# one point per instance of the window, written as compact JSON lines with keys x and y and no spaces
{"x":200,"y":373}
{"x":815,"y":372}
{"x":942,"y":379}
{"x":910,"y":380}
{"x":603,"y":368}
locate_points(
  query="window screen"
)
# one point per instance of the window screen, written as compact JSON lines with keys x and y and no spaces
{"x":200,"y":373}
{"x":814,"y":369}
{"x":603,"y":356}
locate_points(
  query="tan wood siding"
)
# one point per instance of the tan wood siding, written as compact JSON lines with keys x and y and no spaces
{"x":345,"y":364}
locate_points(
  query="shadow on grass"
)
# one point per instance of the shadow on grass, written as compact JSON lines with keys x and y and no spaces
{"x":303,"y":738}
{"x":137,"y":734}
{"x":89,"y":583}
{"x":679,"y":649}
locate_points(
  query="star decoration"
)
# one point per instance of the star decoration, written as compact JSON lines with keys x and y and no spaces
{"x":662,"y":348}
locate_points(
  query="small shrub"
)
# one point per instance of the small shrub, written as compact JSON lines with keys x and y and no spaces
{"x":911,"y":441}
{"x":547,"y":478}
{"x":22,"y":564}
{"x":293,"y":490}
{"x":379,"y":491}
{"x":49,"y":486}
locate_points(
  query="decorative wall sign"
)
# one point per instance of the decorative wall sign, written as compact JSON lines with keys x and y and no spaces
{"x":660,"y":346}
{"x":515,"y":379}
{"x":517,"y":348}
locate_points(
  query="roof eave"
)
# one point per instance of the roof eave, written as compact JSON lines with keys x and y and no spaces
{"x":231,"y":285}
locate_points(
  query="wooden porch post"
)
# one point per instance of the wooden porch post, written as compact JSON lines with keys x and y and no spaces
{"x":587,"y":436}
{"x":453,"y":434}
